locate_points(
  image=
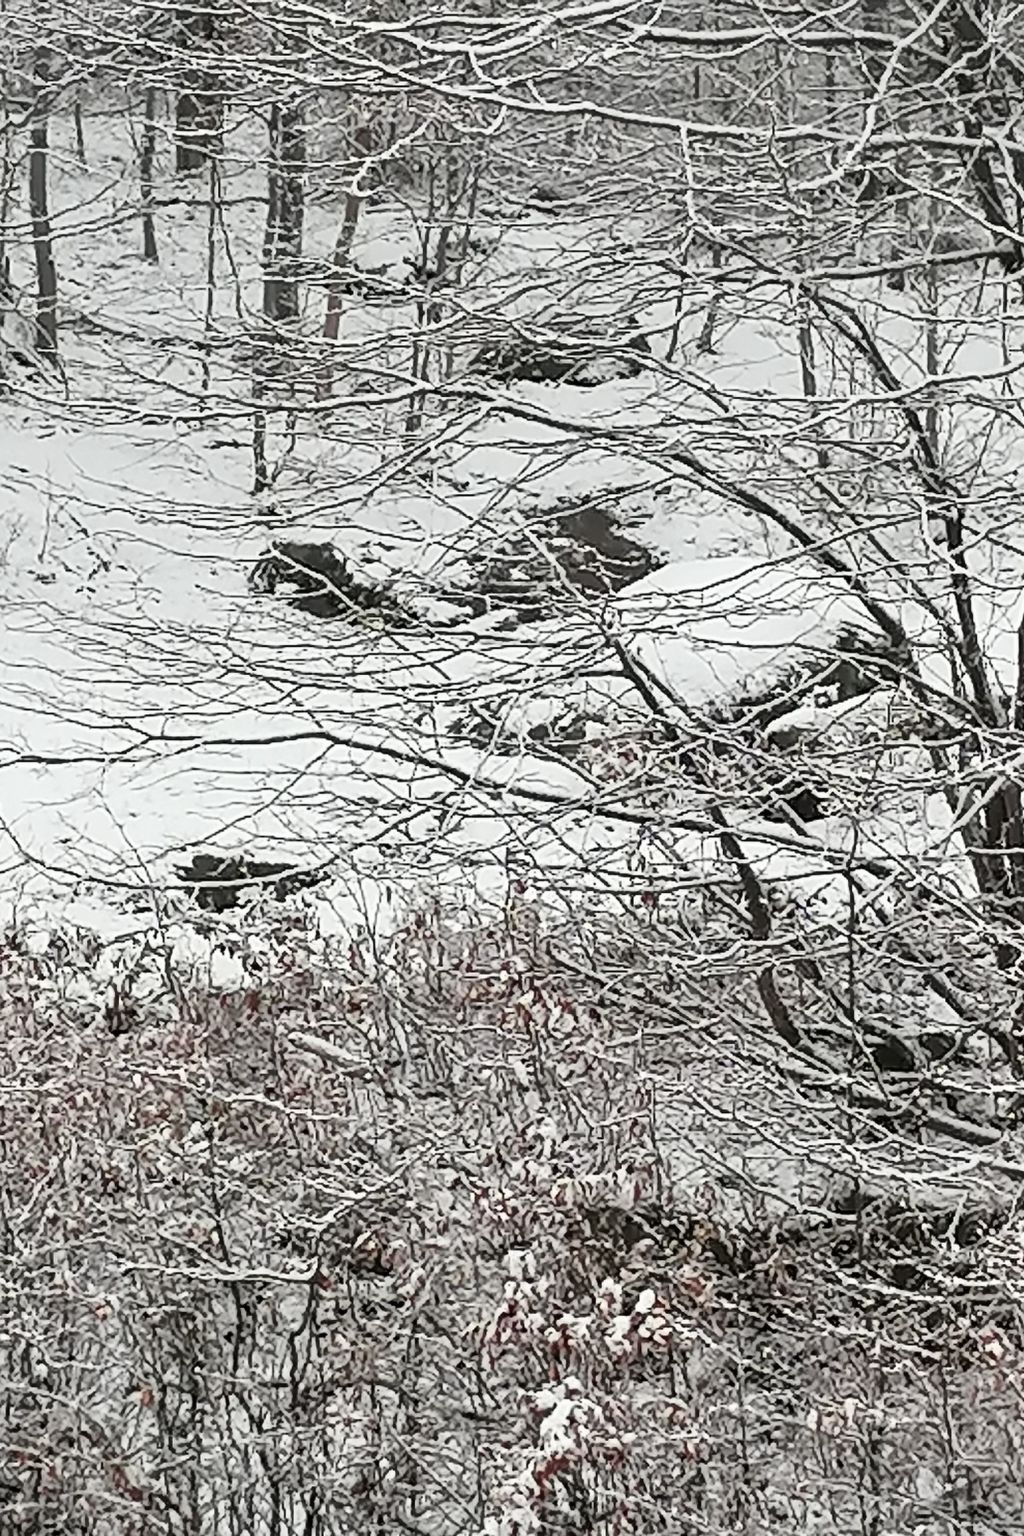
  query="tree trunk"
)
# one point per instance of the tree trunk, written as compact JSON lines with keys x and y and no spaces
{"x":194,"y":135}
{"x":8,"y":182}
{"x":273,"y":194}
{"x":282,"y":251}
{"x":874,"y":20}
{"x":79,"y":132}
{"x":146,"y":156}
{"x":260,"y":472}
{"x":931,"y":360}
{"x":213,"y":218}
{"x":39,"y":208}
{"x":809,"y":375}
{"x":282,"y":245}
{"x":830,"y":84}
{"x":706,"y":339}
{"x":336,"y":292}
{"x":198,"y":113}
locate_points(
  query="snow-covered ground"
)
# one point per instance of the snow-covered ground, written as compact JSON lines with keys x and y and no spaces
{"x":151,"y":706}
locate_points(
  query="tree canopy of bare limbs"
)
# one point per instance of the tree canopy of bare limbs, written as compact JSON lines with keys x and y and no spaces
{"x":511,"y":740}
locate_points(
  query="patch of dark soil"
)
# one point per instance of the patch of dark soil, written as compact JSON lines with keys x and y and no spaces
{"x":317,"y":581}
{"x":218,"y":880}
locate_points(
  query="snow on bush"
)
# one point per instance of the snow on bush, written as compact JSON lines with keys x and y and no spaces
{"x":451,"y":1240}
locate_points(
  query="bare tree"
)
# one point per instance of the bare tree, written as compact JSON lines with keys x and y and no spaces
{"x":147,"y":155}
{"x":198,"y":111}
{"x":282,"y":254}
{"x":282,"y":243}
{"x":42,"y":239}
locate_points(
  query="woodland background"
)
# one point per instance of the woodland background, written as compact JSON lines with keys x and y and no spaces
{"x":511,"y":725}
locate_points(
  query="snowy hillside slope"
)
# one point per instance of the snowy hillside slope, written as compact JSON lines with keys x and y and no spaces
{"x":152,"y":706}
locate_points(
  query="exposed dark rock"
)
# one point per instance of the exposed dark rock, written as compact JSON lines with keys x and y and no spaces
{"x":939,"y":1044}
{"x":858,"y":663}
{"x":873,"y":184}
{"x":915,"y":1229}
{"x":577,"y":548}
{"x":566,"y":352}
{"x":217,"y":880}
{"x":785,"y":792}
{"x":564,"y":736}
{"x":894,"y":1055}
{"x":369,"y":283}
{"x":918,"y":1052}
{"x":319,"y":581}
{"x":776,"y":764}
{"x":916,"y":1268}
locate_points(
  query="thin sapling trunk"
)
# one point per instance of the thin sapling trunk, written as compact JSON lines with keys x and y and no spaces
{"x":211,"y":275}
{"x":79,"y":132}
{"x":147,"y":155}
{"x":706,"y":340}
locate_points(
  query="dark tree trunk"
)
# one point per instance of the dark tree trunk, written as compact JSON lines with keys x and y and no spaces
{"x":39,"y":208}
{"x":282,"y":245}
{"x":986,"y":105}
{"x":706,"y":340}
{"x":8,"y":181}
{"x":874,"y":18}
{"x":198,"y":113}
{"x":282,"y":252}
{"x":213,"y":220}
{"x":146,"y":156}
{"x":261,"y":362}
{"x":273,"y":191}
{"x":191,"y":138}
